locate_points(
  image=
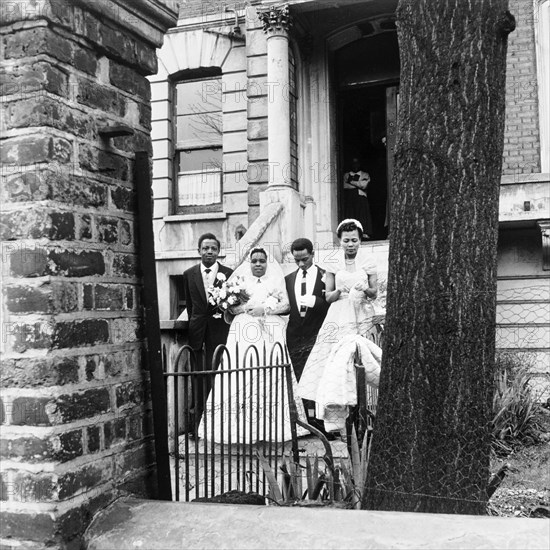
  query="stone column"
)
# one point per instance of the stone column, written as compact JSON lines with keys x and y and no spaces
{"x":276,"y":21}
{"x":75,"y":405}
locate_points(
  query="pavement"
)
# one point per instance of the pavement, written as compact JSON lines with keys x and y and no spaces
{"x":131,"y":523}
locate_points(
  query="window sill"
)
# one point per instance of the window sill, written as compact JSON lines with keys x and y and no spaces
{"x":518,"y":179}
{"x":195,"y":217}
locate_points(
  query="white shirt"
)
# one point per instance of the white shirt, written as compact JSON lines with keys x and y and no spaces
{"x":311,"y":277}
{"x":209,"y":278}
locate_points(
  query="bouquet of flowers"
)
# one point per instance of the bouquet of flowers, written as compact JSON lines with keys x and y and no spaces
{"x":274,"y":298}
{"x":223,"y":293}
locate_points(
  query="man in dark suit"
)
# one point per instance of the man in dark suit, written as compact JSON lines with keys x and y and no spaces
{"x":207,"y":328}
{"x":308,"y":308}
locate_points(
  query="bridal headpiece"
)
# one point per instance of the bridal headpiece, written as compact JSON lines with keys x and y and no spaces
{"x":257,"y":249}
{"x":349,"y":220}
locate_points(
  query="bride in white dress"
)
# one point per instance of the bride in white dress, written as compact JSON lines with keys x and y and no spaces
{"x":329,"y":376}
{"x":251,"y":404}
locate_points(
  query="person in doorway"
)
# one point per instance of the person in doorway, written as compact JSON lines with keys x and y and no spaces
{"x":207,"y":329}
{"x":356,"y":204}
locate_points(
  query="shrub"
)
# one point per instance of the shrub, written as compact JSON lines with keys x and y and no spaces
{"x":514,"y":406}
{"x":338,"y":484}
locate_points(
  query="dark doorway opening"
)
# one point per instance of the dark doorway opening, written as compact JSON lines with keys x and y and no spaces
{"x":366,"y":77}
{"x":363,"y":135}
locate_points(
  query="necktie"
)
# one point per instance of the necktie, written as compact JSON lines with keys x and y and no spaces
{"x":259,"y":281}
{"x":303,"y":292}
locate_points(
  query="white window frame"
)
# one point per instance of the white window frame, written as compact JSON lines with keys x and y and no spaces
{"x":196,"y":190}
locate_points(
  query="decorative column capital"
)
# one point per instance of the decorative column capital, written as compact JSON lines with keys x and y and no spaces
{"x":275,"y":19}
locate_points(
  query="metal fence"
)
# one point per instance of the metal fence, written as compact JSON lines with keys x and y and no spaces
{"x":230,"y":424}
{"x":204,"y":466}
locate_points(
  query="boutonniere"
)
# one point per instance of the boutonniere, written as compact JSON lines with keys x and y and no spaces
{"x":217,"y":315}
{"x":220,"y":279}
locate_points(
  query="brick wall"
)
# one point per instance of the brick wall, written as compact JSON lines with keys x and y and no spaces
{"x":199,"y":8}
{"x":521,"y":135}
{"x":75,"y":404}
{"x":212,"y":8}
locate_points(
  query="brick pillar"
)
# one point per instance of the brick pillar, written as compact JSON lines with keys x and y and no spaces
{"x":75,"y":407}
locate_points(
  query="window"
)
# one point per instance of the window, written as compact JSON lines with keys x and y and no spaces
{"x":198,"y":154}
{"x":177,"y":296}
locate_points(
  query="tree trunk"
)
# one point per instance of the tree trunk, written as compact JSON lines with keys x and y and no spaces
{"x":431,"y":444}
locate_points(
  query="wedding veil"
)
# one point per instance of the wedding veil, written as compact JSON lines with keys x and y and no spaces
{"x":273,"y":281}
{"x":274,"y":277}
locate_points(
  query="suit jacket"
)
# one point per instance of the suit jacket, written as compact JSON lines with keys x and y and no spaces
{"x":201,"y":313}
{"x":306,"y":327}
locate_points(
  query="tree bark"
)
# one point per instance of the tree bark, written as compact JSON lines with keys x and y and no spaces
{"x":431,"y":444}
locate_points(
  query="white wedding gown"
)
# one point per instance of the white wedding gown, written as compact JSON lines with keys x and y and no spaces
{"x":251,"y":403}
{"x":329,"y":376}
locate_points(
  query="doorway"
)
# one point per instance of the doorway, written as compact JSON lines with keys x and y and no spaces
{"x":366,"y":77}
{"x":367,"y":122}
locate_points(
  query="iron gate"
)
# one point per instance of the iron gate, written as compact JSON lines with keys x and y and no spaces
{"x":248,"y":424}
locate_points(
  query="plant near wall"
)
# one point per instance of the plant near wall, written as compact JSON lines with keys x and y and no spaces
{"x":514,"y":406}
{"x":338,"y":484}
{"x":359,"y":462}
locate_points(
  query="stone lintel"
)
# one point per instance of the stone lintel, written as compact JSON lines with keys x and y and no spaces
{"x":149,"y":19}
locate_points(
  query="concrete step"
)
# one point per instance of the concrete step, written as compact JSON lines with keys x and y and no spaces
{"x":156,"y":525}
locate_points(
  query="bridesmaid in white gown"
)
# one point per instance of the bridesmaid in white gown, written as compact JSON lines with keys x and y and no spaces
{"x":329,"y":374}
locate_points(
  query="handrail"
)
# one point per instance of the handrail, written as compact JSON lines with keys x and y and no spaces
{"x":257,"y":230}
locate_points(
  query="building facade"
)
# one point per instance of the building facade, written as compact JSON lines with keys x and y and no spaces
{"x":258,"y":110}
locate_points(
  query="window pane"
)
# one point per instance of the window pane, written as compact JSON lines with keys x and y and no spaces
{"x":198,"y":142}
{"x":199,"y":188}
{"x":200,"y":96}
{"x":200,"y":159}
{"x":177,"y":296}
{"x":203,"y":128}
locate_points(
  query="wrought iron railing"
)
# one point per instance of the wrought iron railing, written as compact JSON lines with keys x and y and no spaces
{"x":217,"y":450}
{"x":367,"y":395}
{"x":249,"y":410}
